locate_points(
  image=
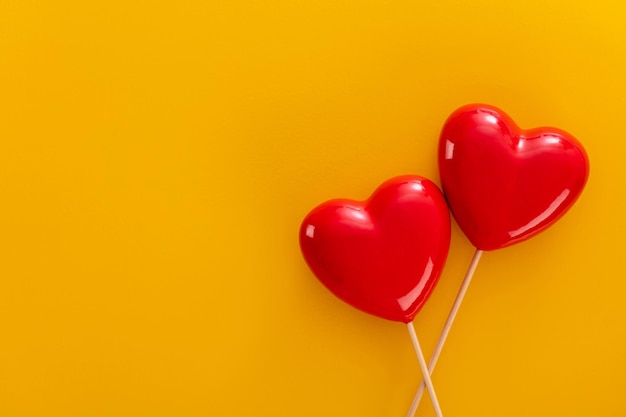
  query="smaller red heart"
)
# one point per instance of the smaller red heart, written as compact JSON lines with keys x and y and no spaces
{"x":505,"y":184}
{"x":383,"y":255}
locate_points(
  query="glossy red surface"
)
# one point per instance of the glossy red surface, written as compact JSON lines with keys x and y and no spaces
{"x":383,"y":255}
{"x":505,"y":184}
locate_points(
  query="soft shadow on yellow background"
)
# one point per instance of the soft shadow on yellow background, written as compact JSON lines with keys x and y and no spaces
{"x":156,"y":159}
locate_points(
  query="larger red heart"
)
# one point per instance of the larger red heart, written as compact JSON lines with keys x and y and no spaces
{"x":505,"y":184}
{"x":383,"y":255}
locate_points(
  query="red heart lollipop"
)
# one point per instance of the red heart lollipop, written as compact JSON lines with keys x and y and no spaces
{"x":505,"y":184}
{"x":384,"y":255}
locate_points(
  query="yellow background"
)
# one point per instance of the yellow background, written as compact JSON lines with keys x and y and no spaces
{"x":157,"y":157}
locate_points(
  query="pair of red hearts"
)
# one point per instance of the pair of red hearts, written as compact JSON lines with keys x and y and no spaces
{"x":502,"y":184}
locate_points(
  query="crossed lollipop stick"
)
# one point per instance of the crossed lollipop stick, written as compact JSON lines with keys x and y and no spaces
{"x":428,"y":370}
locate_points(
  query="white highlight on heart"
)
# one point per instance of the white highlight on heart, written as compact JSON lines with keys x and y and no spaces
{"x":449,"y":149}
{"x":310,"y":231}
{"x":406,"y":301}
{"x":491,"y":119}
{"x":546,"y":213}
{"x":553,"y":140}
{"x":358,"y":214}
{"x":417,"y":186}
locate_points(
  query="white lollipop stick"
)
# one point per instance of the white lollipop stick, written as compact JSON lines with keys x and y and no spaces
{"x":424,"y":368}
{"x":446,"y":329}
